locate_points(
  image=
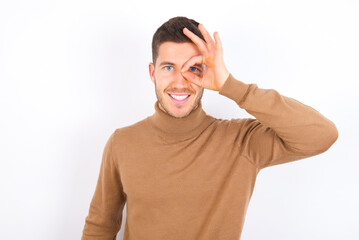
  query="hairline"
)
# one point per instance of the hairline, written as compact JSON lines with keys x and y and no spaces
{"x":170,"y":63}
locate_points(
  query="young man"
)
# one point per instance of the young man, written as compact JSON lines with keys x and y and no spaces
{"x":185,"y":174}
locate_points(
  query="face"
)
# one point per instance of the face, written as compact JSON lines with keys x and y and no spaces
{"x":176,"y":95}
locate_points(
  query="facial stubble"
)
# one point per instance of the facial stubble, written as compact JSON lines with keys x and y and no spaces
{"x":160,"y":101}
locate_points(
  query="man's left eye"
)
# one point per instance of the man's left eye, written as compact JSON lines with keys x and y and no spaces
{"x":193,"y":69}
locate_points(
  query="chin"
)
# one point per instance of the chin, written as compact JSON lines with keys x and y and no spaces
{"x":179,"y":114}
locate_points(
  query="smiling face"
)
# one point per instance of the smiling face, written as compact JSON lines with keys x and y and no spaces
{"x":176,"y":96}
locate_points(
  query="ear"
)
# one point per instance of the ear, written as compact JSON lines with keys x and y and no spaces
{"x":151,"y":68}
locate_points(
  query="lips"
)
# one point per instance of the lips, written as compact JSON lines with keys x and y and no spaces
{"x":179,"y":98}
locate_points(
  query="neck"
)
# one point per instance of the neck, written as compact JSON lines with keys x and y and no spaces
{"x":164,"y":110}
{"x":173,"y":127}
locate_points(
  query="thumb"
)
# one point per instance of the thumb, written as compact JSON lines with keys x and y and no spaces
{"x":192,"y":78}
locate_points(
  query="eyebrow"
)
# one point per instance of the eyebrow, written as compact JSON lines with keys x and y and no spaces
{"x":172,"y":64}
{"x":166,"y":63}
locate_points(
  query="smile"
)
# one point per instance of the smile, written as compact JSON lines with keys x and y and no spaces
{"x":179,"y":98}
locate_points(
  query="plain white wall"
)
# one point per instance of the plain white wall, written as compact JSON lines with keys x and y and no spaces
{"x":73,"y":71}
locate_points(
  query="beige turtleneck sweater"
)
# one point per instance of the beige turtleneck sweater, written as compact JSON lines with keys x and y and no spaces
{"x":192,"y":178}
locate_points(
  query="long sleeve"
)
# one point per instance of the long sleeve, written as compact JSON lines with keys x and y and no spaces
{"x":105,"y":213}
{"x":284,"y":129}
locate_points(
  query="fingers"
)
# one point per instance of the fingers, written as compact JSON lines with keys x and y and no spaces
{"x":195,"y":60}
{"x":210,"y":62}
{"x":218,"y":41}
{"x":199,"y":42}
{"x":206,"y":35}
{"x":196,"y":75}
{"x":209,"y":44}
{"x":193,"y":78}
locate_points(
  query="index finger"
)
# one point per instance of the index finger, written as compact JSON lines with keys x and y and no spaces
{"x":195,"y":61}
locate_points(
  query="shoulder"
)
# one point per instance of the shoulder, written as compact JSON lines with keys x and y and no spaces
{"x":130,"y":130}
{"x":234,"y":123}
{"x":236,"y":129}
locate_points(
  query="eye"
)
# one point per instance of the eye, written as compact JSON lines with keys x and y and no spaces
{"x":196,"y":70}
{"x":167,"y":67}
{"x":193,"y":69}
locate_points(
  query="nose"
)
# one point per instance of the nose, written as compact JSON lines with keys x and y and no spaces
{"x":180,"y":82}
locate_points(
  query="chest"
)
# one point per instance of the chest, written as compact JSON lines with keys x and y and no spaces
{"x":164,"y":173}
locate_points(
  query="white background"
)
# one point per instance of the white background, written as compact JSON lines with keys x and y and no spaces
{"x":72,"y":72}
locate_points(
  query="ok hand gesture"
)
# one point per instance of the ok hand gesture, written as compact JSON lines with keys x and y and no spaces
{"x":215,"y":72}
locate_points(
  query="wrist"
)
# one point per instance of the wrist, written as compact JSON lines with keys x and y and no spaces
{"x":224,"y":79}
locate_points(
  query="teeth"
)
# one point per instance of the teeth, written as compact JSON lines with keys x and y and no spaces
{"x":179,"y":97}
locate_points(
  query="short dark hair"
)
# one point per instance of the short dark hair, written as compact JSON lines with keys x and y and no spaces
{"x":172,"y":31}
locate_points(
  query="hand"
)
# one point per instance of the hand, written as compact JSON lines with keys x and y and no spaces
{"x":215,"y":72}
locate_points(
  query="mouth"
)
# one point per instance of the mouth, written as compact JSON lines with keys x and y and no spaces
{"x":179,"y":98}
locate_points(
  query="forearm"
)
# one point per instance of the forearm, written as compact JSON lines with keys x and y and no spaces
{"x":301,"y":128}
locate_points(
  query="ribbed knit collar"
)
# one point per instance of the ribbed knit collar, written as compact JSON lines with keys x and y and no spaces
{"x":179,"y":128}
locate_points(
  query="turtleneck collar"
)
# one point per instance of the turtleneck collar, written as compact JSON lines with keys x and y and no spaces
{"x":188,"y":126}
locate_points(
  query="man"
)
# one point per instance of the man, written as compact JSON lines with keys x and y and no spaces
{"x":185,"y":174}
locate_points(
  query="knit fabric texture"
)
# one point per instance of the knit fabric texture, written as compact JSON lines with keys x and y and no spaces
{"x":192,"y":178}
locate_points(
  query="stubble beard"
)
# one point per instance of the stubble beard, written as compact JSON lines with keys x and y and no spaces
{"x":163,"y":106}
